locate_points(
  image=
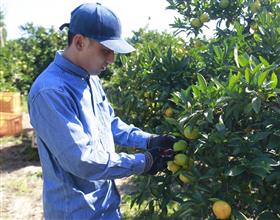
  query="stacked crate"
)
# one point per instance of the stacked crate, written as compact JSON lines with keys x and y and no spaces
{"x":10,"y":114}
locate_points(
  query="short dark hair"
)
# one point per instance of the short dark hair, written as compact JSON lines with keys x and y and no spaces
{"x":70,"y":38}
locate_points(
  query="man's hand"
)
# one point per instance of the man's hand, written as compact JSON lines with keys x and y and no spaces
{"x":161,"y":141}
{"x":156,"y":159}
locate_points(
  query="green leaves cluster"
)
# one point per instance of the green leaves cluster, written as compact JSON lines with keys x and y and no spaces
{"x":23,"y":59}
{"x":231,"y":94}
{"x":237,"y":156}
{"x":143,"y":81}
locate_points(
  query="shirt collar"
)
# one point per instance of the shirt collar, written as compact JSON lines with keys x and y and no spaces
{"x":68,"y":66}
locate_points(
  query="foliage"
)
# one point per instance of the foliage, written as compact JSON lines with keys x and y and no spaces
{"x":226,"y":87}
{"x":23,"y":59}
{"x":228,"y":90}
{"x":237,"y":154}
{"x":143,"y":81}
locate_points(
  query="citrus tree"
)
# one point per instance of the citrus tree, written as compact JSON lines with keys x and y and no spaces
{"x":229,"y":133}
{"x":226,"y":117}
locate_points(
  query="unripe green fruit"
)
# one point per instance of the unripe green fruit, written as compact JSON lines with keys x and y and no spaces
{"x":191,"y":133}
{"x":180,"y":159}
{"x":204,"y":17}
{"x":184,"y":179}
{"x":180,"y":146}
{"x":254,"y":7}
{"x":173,"y":167}
{"x":224,"y":3}
{"x":168,"y":112}
{"x":196,"y":22}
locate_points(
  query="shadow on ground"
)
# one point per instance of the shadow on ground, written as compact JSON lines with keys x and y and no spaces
{"x":14,"y":155}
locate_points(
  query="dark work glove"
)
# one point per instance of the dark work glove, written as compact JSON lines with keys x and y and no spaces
{"x":161,"y":141}
{"x":156,"y":159}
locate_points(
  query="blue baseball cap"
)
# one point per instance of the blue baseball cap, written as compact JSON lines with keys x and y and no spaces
{"x":98,"y":23}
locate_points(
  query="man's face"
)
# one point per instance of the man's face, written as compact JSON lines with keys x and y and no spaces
{"x":95,"y":57}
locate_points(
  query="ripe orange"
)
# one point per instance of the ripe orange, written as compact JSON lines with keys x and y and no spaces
{"x":221,"y":209}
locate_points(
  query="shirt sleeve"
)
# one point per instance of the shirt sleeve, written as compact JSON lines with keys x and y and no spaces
{"x":53,"y":115}
{"x":128,"y":135}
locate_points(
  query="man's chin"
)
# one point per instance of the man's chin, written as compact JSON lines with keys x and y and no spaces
{"x":96,"y":73}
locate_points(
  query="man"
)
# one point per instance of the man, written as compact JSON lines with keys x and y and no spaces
{"x":76,"y":126}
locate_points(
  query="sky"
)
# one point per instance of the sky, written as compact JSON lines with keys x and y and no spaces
{"x":133,"y":14}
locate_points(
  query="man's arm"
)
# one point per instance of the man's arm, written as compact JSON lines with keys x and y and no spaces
{"x":128,"y":135}
{"x":52,"y":114}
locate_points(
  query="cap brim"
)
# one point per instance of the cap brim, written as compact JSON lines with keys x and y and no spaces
{"x":118,"y":46}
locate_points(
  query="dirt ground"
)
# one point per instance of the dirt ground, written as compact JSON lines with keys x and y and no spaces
{"x":21,"y":180}
{"x":20,"y":183}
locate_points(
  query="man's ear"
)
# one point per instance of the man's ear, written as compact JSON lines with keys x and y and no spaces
{"x":79,"y":42}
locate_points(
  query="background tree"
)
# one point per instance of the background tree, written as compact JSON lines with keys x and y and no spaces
{"x":3,"y":30}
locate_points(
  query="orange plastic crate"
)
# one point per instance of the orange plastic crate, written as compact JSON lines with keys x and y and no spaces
{"x":10,"y":123}
{"x":10,"y":102}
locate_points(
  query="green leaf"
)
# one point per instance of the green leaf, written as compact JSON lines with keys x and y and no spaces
{"x":259,"y":171}
{"x":208,"y":175}
{"x":276,"y":109}
{"x":259,"y":136}
{"x":274,"y":80}
{"x":266,"y":215}
{"x":264,"y":61}
{"x":256,"y":103}
{"x":217,"y":83}
{"x":233,"y":81}
{"x":218,"y":51}
{"x":262,"y":77}
{"x":239,"y":215}
{"x":202,"y":83}
{"x":243,"y":61}
{"x":172,"y":121}
{"x":273,"y":142}
{"x":235,"y":171}
{"x":196,"y":92}
{"x":247,"y":75}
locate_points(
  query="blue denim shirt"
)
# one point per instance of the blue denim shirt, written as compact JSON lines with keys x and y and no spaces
{"x":77,"y":131}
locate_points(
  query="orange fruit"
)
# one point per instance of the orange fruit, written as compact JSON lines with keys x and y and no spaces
{"x":221,"y":209}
